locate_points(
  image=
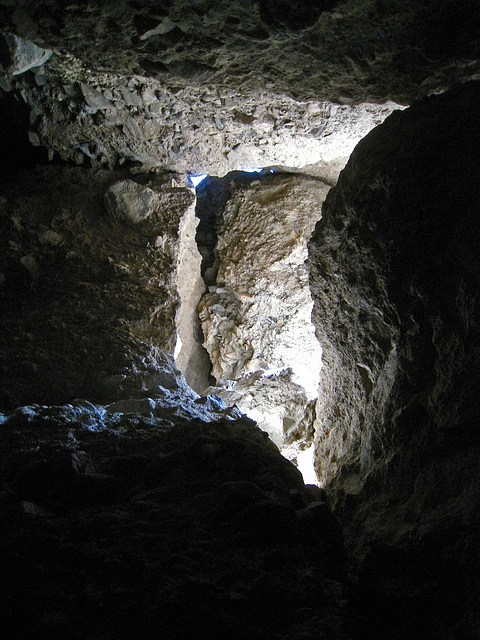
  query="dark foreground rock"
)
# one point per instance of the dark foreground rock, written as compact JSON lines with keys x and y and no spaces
{"x":394,"y":267}
{"x":130,"y":526}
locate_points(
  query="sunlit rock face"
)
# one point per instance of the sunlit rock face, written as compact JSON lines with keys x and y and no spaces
{"x":212,"y":87}
{"x":190,"y":356}
{"x":394,"y":270}
{"x":109,"y":121}
{"x":256,"y":318}
{"x":91,"y":266}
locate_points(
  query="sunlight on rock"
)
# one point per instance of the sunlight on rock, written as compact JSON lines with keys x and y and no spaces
{"x":196,"y":180}
{"x":256,"y":318}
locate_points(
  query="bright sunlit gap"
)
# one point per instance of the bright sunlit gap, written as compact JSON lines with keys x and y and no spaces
{"x":196,"y":180}
{"x":306,"y":465}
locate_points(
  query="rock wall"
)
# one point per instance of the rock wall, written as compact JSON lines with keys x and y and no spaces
{"x":90,"y":263}
{"x":94,"y":290}
{"x":394,"y":274}
{"x":329,"y":49}
{"x":256,"y":317}
{"x":122,"y":526}
{"x":109,"y":120}
{"x":215,"y":87}
{"x":190,"y":355}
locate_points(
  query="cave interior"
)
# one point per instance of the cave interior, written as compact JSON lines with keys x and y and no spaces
{"x":239,"y":320}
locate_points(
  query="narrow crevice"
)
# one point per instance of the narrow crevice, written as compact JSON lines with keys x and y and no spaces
{"x":256,"y":311}
{"x":213,"y":193}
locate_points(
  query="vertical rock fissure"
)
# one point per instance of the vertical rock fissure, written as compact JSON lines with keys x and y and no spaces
{"x":256,"y":313}
{"x":197,"y":270}
{"x":190,"y":355}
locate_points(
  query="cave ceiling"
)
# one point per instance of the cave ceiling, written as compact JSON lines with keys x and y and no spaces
{"x":209,"y":86}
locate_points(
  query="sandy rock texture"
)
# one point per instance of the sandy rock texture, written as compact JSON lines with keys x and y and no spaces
{"x":394,"y":274}
{"x":123,"y":526}
{"x":89,"y":269}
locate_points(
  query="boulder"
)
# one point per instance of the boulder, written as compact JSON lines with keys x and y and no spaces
{"x":129,"y":202}
{"x":19,"y":55}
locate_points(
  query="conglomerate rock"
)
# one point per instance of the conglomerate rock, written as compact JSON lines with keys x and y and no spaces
{"x":394,"y":272}
{"x":110,"y":120}
{"x":210,"y":87}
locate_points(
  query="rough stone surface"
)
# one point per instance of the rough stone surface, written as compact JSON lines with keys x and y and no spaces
{"x":128,"y":201}
{"x":122,"y":526}
{"x":355,"y":49}
{"x":256,"y":317}
{"x":190,"y":356}
{"x":110,"y":120}
{"x":215,"y":87}
{"x":18,"y":55}
{"x":113,"y":536}
{"x":89,"y":303}
{"x":212,"y":87}
{"x":394,"y":273}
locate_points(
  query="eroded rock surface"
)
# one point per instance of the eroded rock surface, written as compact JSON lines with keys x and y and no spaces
{"x":116,"y":517}
{"x":256,"y":318}
{"x":130,"y":202}
{"x":109,"y":120}
{"x":356,"y":49}
{"x":214,"y":87}
{"x":19,"y":55}
{"x":394,"y":274}
{"x":89,"y":299}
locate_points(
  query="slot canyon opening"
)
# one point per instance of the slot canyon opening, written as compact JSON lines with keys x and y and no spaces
{"x":244,"y":329}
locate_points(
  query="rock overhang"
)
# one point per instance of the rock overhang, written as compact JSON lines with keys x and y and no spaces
{"x":356,"y":49}
{"x":407,"y":49}
{"x":196,"y":87}
{"x":112,"y":121}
